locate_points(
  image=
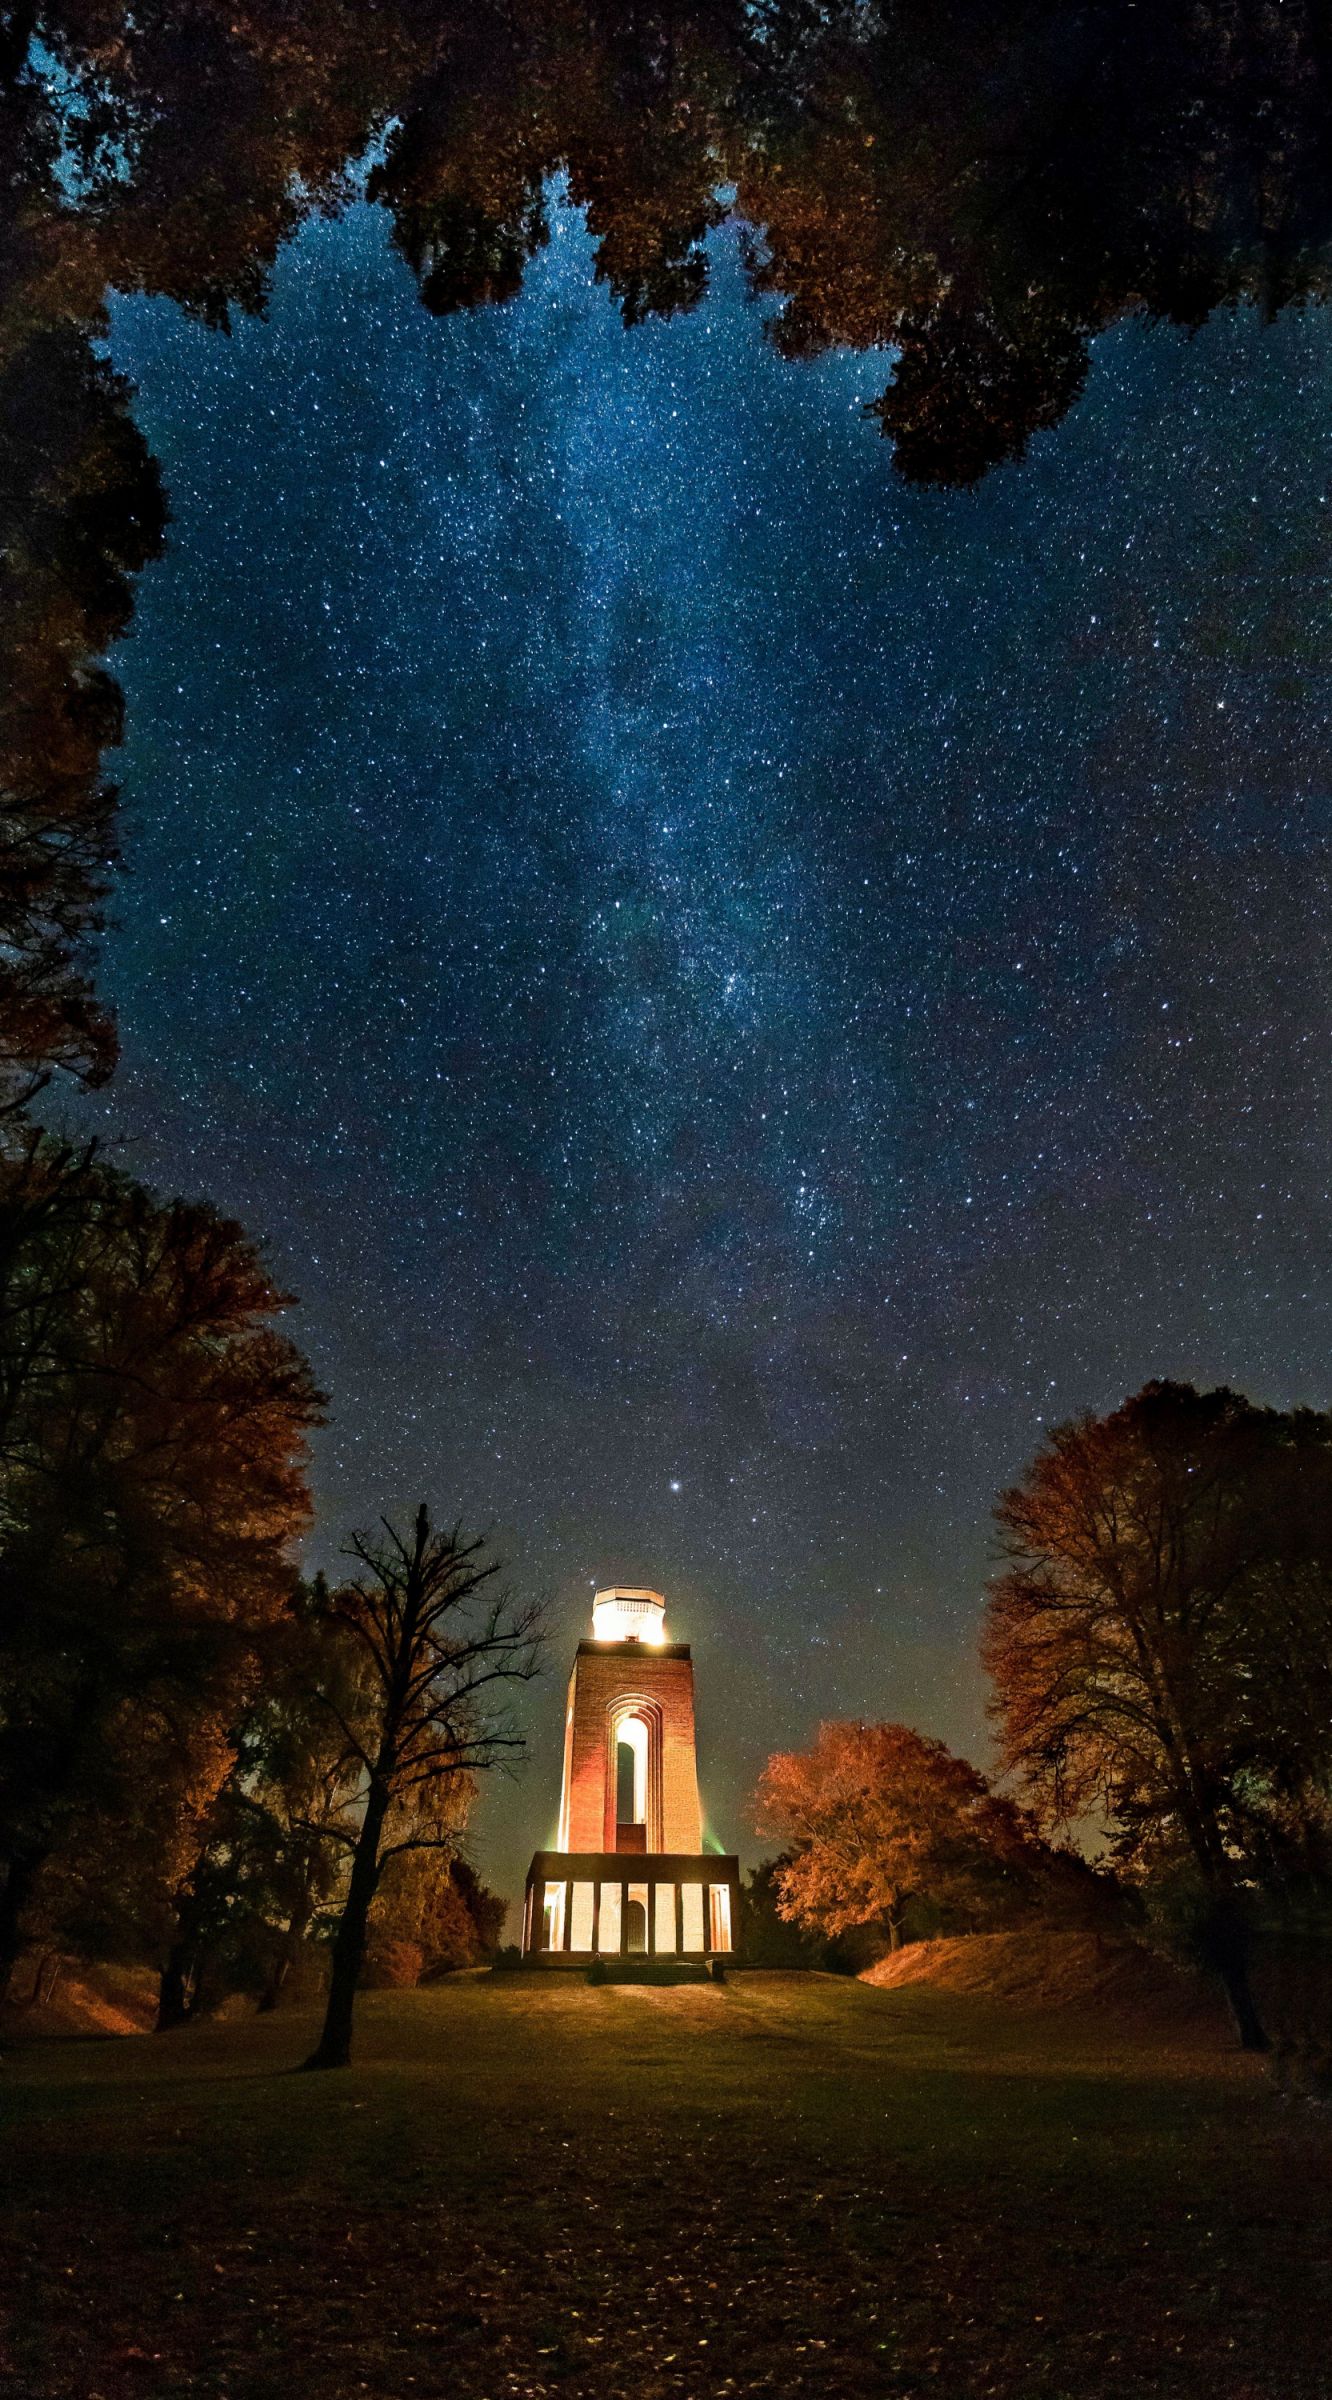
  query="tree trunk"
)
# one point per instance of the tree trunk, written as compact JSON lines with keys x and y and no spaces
{"x":334,"y":2045}
{"x":1234,"y":1974}
{"x":298,"y":1925}
{"x":14,"y":1899}
{"x":1224,"y":1936}
{"x":276,"y":1983}
{"x":25,"y":1862}
{"x":1226,"y":1946}
{"x":173,"y":1989}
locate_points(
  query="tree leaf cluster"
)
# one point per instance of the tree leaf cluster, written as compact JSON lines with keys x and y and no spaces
{"x":978,"y":192}
{"x":1159,"y":1643}
{"x":879,"y":1817}
{"x":153,"y":1423}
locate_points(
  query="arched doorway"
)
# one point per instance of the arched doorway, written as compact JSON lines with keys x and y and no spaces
{"x":635,"y":1926}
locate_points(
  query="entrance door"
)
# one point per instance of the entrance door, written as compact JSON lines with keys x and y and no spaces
{"x":635,"y":1926}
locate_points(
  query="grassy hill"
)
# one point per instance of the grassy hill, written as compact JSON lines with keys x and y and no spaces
{"x":788,"y":2185}
{"x":1115,"y":1982}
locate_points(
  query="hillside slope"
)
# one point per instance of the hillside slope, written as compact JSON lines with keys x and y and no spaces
{"x":1034,"y":1970}
{"x":79,"y":2000}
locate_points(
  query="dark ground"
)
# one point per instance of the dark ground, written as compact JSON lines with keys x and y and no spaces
{"x":789,"y":2185}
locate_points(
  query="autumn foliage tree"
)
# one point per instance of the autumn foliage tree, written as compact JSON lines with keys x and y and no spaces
{"x":980,"y":191}
{"x":271,"y":1874}
{"x":1160,"y":1645}
{"x":431,"y":1915}
{"x":81,"y":511}
{"x":877,"y":1816}
{"x":152,"y":1483}
{"x":266,"y":1869}
{"x":439,"y":1644}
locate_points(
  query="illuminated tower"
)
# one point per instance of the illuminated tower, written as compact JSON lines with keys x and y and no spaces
{"x":629,"y":1875}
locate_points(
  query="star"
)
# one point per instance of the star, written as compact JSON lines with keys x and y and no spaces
{"x":581,"y":859}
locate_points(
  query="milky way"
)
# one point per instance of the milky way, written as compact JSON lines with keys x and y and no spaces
{"x":736,"y":990}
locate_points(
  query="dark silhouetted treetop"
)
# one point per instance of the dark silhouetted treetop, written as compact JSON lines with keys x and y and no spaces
{"x":1160,"y":1640}
{"x":439,"y":1644}
{"x":152,"y":1485}
{"x":977,"y":191}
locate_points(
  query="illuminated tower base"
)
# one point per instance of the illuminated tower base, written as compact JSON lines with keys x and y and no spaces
{"x":630,"y":1877}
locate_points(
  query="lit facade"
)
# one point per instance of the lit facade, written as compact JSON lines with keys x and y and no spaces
{"x":629,"y":1876}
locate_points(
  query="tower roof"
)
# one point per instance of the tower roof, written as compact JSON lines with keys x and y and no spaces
{"x":622,"y":1615}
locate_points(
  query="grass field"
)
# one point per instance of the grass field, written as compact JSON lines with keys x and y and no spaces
{"x":789,"y":2185}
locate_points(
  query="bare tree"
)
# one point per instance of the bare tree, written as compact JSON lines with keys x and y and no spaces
{"x":439,"y":1645}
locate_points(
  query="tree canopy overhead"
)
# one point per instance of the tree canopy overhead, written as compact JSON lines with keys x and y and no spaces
{"x":978,"y":191}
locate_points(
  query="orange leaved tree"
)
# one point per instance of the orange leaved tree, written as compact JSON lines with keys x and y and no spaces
{"x":153,"y":1422}
{"x":880,"y":1815}
{"x":1160,"y":1644}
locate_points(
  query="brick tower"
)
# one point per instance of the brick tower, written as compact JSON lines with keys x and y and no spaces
{"x":629,"y":1874}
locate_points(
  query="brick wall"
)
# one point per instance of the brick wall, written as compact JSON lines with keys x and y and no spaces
{"x":606,"y":1676}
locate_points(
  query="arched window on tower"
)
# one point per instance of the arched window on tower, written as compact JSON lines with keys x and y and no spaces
{"x":631,"y":1784}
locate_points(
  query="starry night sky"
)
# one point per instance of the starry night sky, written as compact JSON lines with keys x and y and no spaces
{"x":736,"y":990}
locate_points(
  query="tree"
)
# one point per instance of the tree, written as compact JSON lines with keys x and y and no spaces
{"x":266,"y":1866}
{"x":768,"y":1938}
{"x":439,"y":1646}
{"x":431,"y":1915}
{"x":152,"y":1483}
{"x":1160,"y":1644}
{"x":81,"y":512}
{"x":879,"y":1815}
